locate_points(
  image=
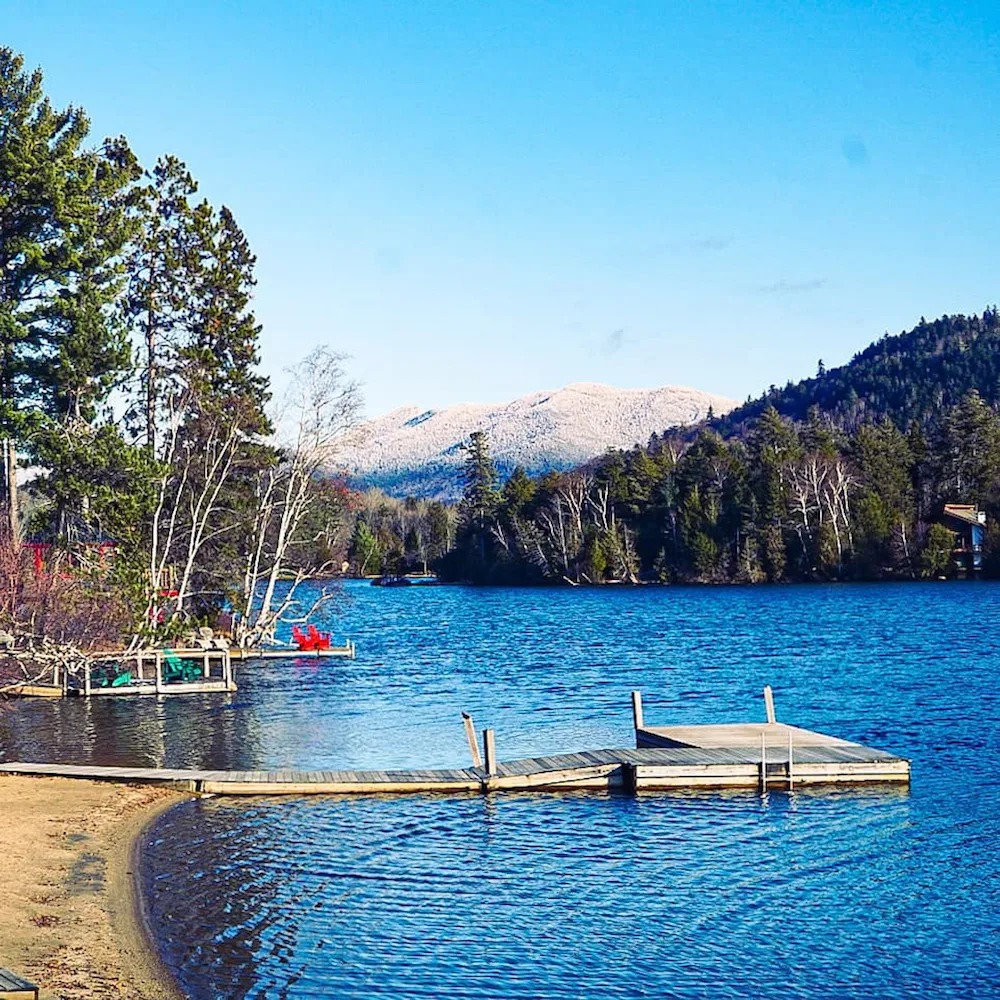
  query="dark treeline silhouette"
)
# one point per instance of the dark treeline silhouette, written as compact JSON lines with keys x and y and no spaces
{"x":913,"y":376}
{"x":840,"y":477}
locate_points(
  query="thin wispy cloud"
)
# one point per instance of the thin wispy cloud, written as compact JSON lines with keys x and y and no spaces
{"x":697,"y":244}
{"x":784,"y":287}
{"x":711,"y":243}
{"x":613,"y":342}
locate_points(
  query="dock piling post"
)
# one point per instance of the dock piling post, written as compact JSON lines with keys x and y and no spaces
{"x":637,"y":709}
{"x":490,"y":751}
{"x":158,"y":661}
{"x":769,"y":704}
{"x":86,"y":678}
{"x":789,"y":760}
{"x":470,"y":735}
{"x":763,"y":764}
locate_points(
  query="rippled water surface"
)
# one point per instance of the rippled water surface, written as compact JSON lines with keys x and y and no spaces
{"x":873,"y":893}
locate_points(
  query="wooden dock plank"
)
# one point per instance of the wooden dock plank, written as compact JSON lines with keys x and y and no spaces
{"x":13,"y":985}
{"x":291,"y":654}
{"x":668,"y":757}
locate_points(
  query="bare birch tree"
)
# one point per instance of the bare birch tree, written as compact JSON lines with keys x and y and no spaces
{"x":320,"y":406}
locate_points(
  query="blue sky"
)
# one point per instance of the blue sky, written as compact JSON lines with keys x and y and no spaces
{"x":483,"y":199}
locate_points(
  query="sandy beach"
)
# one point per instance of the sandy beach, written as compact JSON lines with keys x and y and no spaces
{"x":69,"y":915}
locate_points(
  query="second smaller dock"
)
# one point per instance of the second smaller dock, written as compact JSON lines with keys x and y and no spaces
{"x":348,"y":651}
{"x":155,"y":672}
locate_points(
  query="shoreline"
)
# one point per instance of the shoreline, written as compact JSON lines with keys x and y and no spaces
{"x":72,"y":918}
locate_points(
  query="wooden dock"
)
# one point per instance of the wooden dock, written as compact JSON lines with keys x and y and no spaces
{"x":772,"y":754}
{"x":347,"y":651}
{"x":15,"y":987}
{"x":160,"y":671}
{"x":745,"y":755}
{"x":155,"y":672}
{"x":126,"y":673}
{"x":765,"y":753}
{"x":32,"y":691}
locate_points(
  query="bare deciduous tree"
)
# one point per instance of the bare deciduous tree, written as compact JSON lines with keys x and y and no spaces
{"x":321,"y":404}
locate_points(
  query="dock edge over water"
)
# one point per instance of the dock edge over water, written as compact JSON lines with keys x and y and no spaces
{"x":642,"y":769}
{"x":731,"y":755}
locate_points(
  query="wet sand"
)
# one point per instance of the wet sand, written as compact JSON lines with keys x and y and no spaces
{"x":70,"y":918}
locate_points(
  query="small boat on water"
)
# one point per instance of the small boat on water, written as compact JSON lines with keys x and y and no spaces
{"x":404,"y":581}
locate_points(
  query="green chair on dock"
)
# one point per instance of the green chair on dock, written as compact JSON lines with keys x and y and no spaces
{"x":177,"y":670}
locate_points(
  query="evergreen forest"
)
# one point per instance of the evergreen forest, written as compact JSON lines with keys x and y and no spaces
{"x":163,"y":485}
{"x":839,"y":477}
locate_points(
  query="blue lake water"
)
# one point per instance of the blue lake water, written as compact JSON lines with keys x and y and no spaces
{"x":840,"y":893}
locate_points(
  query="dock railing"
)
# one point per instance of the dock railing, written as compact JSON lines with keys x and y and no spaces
{"x":157,"y":670}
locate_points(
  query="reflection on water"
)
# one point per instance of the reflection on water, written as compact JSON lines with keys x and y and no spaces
{"x":551,"y":670}
{"x":179,"y":731}
{"x":570,"y":895}
{"x":844,"y":893}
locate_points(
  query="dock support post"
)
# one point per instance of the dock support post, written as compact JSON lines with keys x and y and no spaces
{"x":86,"y":678}
{"x":206,"y":669}
{"x":789,"y":760}
{"x":159,"y":672}
{"x":769,"y":704}
{"x":630,"y":779}
{"x":490,"y":752}
{"x":637,"y":709}
{"x":470,"y":735}
{"x":763,"y":764}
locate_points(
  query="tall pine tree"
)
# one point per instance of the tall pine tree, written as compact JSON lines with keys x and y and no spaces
{"x":47,"y":210}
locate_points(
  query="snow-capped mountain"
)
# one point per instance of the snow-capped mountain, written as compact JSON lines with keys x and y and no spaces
{"x":418,"y":452}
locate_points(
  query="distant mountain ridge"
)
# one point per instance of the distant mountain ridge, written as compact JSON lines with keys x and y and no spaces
{"x":911,"y":376}
{"x":415,"y":451}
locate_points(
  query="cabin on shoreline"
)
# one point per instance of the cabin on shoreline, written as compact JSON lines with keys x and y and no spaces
{"x":968,"y":523}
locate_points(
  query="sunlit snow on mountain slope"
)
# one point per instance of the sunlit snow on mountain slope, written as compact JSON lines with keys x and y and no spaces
{"x":417,"y":451}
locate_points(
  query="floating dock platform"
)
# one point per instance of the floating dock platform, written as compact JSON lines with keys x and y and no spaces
{"x":765,"y":753}
{"x":160,"y":671}
{"x":155,"y":672}
{"x":746,"y":755}
{"x":16,"y":690}
{"x":347,"y":651}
